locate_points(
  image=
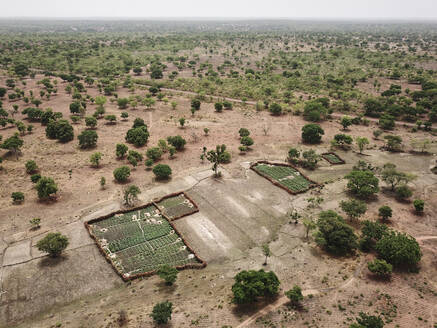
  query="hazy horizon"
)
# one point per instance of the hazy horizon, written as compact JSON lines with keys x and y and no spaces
{"x":226,"y":9}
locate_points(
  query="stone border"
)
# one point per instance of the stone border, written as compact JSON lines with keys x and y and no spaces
{"x":194,"y":210}
{"x":329,"y":161}
{"x":312,"y":185}
{"x":125,"y":277}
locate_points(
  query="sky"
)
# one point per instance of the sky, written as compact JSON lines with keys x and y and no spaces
{"x":325,"y":9}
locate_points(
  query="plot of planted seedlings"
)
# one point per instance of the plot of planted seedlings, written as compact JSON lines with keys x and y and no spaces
{"x":176,"y":206}
{"x":138,"y":242}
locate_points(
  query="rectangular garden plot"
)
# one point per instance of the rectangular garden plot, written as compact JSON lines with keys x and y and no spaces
{"x":333,"y":158}
{"x":284,"y":176}
{"x":139,"y":241}
{"x":176,"y":206}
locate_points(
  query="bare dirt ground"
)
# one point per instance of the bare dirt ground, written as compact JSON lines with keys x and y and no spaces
{"x":238,"y":213}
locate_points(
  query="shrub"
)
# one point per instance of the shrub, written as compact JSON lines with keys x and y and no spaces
{"x":243,"y":132}
{"x":295,"y":295}
{"x":111,"y":119}
{"x":368,"y":321}
{"x":53,"y":244}
{"x":120,"y":150}
{"x":312,"y":133}
{"x":31,"y":167}
{"x":149,"y":163}
{"x":353,"y":208}
{"x":380,"y":268}
{"x":293,"y":155}
{"x":87,"y":139}
{"x":363,"y":184}
{"x":346,"y":122}
{"x":168,"y":274}
{"x":310,"y":159}
{"x":371,"y":232}
{"x":17,"y":197}
{"x":227,"y":104}
{"x":75,"y":107}
{"x":249,"y":285}
{"x":122,"y":103}
{"x":387,"y":122}
{"x":275,"y":109}
{"x":334,"y":234}
{"x":224,"y":157}
{"x":195,"y":103}
{"x":154,"y":153}
{"x":419,"y":205}
{"x":246,"y":141}
{"x":35,"y":177}
{"x":218,"y":107}
{"x":403,"y":192}
{"x":161,"y":312}
{"x":122,"y":173}
{"x":393,"y":143}
{"x":177,"y":141}
{"x":342,"y":141}
{"x":131,"y":195}
{"x":64,"y":131}
{"x":46,"y":187}
{"x":399,"y":249}
{"x":162,"y":171}
{"x":314,"y":111}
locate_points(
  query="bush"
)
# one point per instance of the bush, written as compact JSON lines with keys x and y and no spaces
{"x":122,"y":103}
{"x":243,"y":132}
{"x":363,"y":184}
{"x":17,"y":197}
{"x":353,"y":208}
{"x":162,"y":171}
{"x":314,"y":111}
{"x":419,"y":205}
{"x":35,"y":177}
{"x":120,"y":150}
{"x":31,"y":167}
{"x":275,"y":109}
{"x":381,"y":268}
{"x":334,"y":234}
{"x":249,"y":285}
{"x":293,"y":155}
{"x":195,"y":103}
{"x":368,"y":321}
{"x":224,"y":157}
{"x":122,"y":173}
{"x":161,"y":312}
{"x":246,"y":141}
{"x":218,"y":107}
{"x":168,"y":274}
{"x":227,"y":104}
{"x":177,"y":141}
{"x":149,"y":163}
{"x":403,"y":192}
{"x":312,"y":133}
{"x":64,"y":131}
{"x":154,"y":153}
{"x":295,"y":295}
{"x":371,"y":232}
{"x":87,"y":139}
{"x":399,"y":249}
{"x":53,"y":244}
{"x":387,"y":122}
{"x":385,"y":212}
{"x":46,"y":187}
{"x":95,"y":159}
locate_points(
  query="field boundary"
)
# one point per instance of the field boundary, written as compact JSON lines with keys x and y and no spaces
{"x":175,"y":194}
{"x":125,"y":277}
{"x":312,"y":185}
{"x":326,"y":158}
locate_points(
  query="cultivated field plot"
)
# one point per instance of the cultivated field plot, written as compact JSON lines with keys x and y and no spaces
{"x":176,"y":206}
{"x":284,"y":176}
{"x":139,"y":241}
{"x":333,"y":158}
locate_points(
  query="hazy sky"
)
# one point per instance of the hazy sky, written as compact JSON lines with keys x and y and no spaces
{"x":222,"y":8}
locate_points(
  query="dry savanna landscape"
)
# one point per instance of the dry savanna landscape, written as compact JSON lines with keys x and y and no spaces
{"x":261,"y":173}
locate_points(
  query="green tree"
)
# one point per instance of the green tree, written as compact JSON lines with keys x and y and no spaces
{"x":353,"y":208}
{"x":122,"y":103}
{"x":53,"y":243}
{"x":131,"y":195}
{"x":310,"y":159}
{"x":243,"y":132}
{"x":249,"y":285}
{"x":195,"y":103}
{"x":214,"y":157}
{"x":120,"y":150}
{"x":266,"y":251}
{"x":182,"y":121}
{"x":31,"y":167}
{"x":309,"y":225}
{"x":46,"y":187}
{"x":295,"y":295}
{"x":312,"y":133}
{"x":162,"y":171}
{"x":393,"y":177}
{"x":168,"y":274}
{"x":342,"y":141}
{"x":385,"y":212}
{"x":87,"y":139}
{"x":138,"y":136}
{"x":293,"y":156}
{"x":17,"y":197}
{"x":399,"y":249}
{"x":218,"y":107}
{"x":100,"y":101}
{"x":122,"y":173}
{"x":363,"y":184}
{"x":154,"y":153}
{"x":334,"y":234}
{"x":368,"y":321}
{"x":371,"y":232}
{"x":361,"y":143}
{"x":393,"y":143}
{"x":95,"y":159}
{"x":346,"y":122}
{"x":177,"y":141}
{"x":419,"y":205}
{"x":13,"y":144}
{"x":403,"y":192}
{"x":275,"y":109}
{"x":161,"y":312}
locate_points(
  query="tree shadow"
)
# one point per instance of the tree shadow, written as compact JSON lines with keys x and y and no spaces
{"x":49,"y":261}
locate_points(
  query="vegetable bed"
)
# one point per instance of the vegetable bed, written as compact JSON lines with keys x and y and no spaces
{"x":138,"y":242}
{"x":176,"y":206}
{"x":285,"y":176}
{"x":333,"y":158}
